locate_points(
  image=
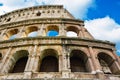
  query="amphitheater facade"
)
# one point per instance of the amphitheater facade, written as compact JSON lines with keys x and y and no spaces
{"x":27,"y":51}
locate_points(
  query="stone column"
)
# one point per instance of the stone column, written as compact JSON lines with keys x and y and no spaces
{"x":117,"y":58}
{"x":19,"y":34}
{"x":96,"y":64}
{"x":91,"y":65}
{"x":36,"y":60}
{"x":5,"y":61}
{"x":80,"y":33}
{"x":36,"y":65}
{"x":94,"y":60}
{"x":32,"y":63}
{"x":60,"y":63}
{"x":68,"y":61}
{"x":28,"y":71}
{"x":41,"y":29}
{"x":65,"y":68}
{"x":62,"y":31}
{"x":2,"y":34}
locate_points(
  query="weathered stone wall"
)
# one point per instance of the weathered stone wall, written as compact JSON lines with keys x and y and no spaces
{"x":41,"y":19}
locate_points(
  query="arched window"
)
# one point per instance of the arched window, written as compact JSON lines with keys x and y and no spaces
{"x":20,"y":65}
{"x":49,"y":64}
{"x":52,"y":31}
{"x":105,"y":62}
{"x":20,"y":61}
{"x":72,"y":31}
{"x":12,"y":34}
{"x":32,"y":31}
{"x":78,"y":61}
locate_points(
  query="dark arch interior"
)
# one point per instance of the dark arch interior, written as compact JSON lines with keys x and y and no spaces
{"x":0,"y":56}
{"x":105,"y":62}
{"x":78,"y":61}
{"x":77,"y":65}
{"x":105,"y":57}
{"x":20,"y":65}
{"x":49,"y":64}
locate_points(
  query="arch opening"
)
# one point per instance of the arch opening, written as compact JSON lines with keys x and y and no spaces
{"x":78,"y":61}
{"x":49,"y":64}
{"x":20,"y":65}
{"x":20,"y":58}
{"x":52,"y":31}
{"x":12,"y":34}
{"x":106,"y":62}
{"x":32,"y":31}
{"x":72,"y":31}
{"x":49,"y":61}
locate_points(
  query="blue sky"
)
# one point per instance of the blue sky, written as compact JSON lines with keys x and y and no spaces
{"x":102,"y":17}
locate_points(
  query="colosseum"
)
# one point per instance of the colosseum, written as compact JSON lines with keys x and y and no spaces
{"x":28,"y":51}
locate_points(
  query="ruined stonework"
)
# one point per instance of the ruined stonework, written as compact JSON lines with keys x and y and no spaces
{"x":61,"y":57}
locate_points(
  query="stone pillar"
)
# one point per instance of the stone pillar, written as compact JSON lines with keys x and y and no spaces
{"x":117,"y":58}
{"x":5,"y":61}
{"x":68,"y":61}
{"x":80,"y":33}
{"x":62,"y":31}
{"x":19,"y":34}
{"x":32,"y":55}
{"x":94,"y":60}
{"x":91,"y":65}
{"x":32,"y":63}
{"x":35,"y":65}
{"x":9,"y":64}
{"x":28,"y":68}
{"x":2,"y":34}
{"x":65,"y":68}
{"x":41,"y":29}
{"x":27,"y":71}
{"x":96,"y":64}
{"x":60,"y":63}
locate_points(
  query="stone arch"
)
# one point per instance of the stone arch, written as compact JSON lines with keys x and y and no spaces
{"x":20,"y":60}
{"x":104,"y":51}
{"x":78,"y":61}
{"x":11,"y":34}
{"x":84,"y":50}
{"x":32,"y":31}
{"x":72,"y":31}
{"x":107,"y":63}
{"x":52,"y":30}
{"x":49,"y":61}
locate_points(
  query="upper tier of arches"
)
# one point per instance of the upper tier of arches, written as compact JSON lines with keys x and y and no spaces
{"x":51,"y":30}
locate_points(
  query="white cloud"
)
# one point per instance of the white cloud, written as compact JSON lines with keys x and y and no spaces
{"x":77,"y":7}
{"x":104,"y":29}
{"x":71,"y":34}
